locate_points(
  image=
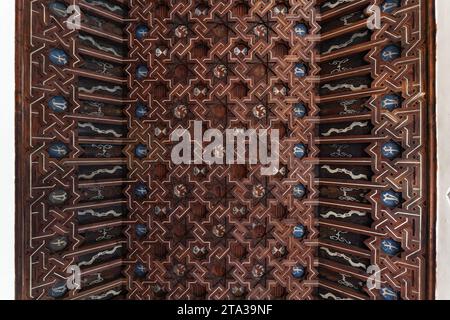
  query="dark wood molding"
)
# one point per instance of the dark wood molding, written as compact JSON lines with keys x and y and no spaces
{"x":432,"y":150}
{"x":22,"y":64}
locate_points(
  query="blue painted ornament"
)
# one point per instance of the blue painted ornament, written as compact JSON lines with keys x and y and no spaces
{"x":58,"y":57}
{"x":390,"y":247}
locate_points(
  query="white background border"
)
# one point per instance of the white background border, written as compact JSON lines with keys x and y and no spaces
{"x":7,"y":158}
{"x":443,"y":146}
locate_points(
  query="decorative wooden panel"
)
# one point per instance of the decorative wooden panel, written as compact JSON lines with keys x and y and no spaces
{"x":72,"y":134}
{"x":372,"y":172}
{"x":97,"y":188}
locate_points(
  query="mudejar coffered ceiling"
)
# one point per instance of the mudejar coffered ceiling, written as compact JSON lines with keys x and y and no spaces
{"x":351,"y":204}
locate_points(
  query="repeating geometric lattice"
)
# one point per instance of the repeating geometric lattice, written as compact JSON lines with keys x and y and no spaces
{"x":100,"y":193}
{"x":220,"y":62}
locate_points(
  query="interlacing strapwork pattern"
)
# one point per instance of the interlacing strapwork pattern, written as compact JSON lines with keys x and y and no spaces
{"x":102,"y":199}
{"x":73,"y":170}
{"x":222,"y":231}
{"x":373,"y":164}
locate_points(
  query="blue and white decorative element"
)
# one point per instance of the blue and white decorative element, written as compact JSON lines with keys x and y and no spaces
{"x":141,"y":151}
{"x":59,"y":9}
{"x":390,"y":53}
{"x":299,"y":110}
{"x":299,"y":191}
{"x":300,"y":151}
{"x":299,"y":231}
{"x":58,"y":104}
{"x":298,"y":272}
{"x":58,"y":150}
{"x":141,"y":190}
{"x":141,"y":230}
{"x":391,"y":102}
{"x":391,"y":199}
{"x":58,"y":244}
{"x":58,"y":57}
{"x":141,"y":32}
{"x":140,"y":270}
{"x":388,"y":294}
{"x":301,"y":29}
{"x":391,"y":247}
{"x":141,"y":111}
{"x":300,"y":70}
{"x":391,"y":150}
{"x":59,"y":290}
{"x":141,"y":72}
{"x":389,"y":6}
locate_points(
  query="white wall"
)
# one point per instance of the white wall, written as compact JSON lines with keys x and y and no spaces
{"x":443,"y":125}
{"x":7,"y":27}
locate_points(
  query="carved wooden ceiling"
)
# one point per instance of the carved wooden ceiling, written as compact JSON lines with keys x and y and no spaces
{"x":97,"y":188}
